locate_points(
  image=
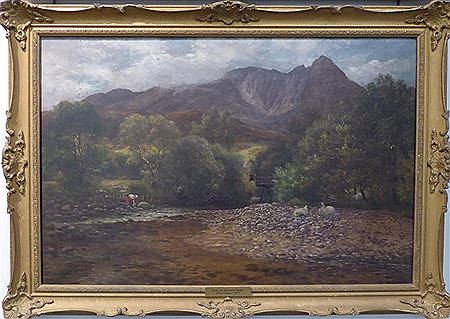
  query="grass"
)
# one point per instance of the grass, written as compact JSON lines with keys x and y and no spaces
{"x":251,"y":152}
{"x":115,"y":183}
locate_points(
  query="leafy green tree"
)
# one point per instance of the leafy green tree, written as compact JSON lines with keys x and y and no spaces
{"x":318,"y":171}
{"x":71,"y":146}
{"x":148,"y":139}
{"x":405,"y":180}
{"x":277,"y":155}
{"x":380,"y":144}
{"x":190,"y":173}
{"x":367,"y":148}
{"x":231,"y":188}
{"x":289,"y":183}
{"x":216,"y":127}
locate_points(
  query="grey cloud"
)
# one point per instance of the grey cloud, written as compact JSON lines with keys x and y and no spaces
{"x":73,"y":68}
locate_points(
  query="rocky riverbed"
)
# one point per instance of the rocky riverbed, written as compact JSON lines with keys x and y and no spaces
{"x":257,"y":244}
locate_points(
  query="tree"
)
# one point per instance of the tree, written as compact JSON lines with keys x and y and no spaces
{"x":71,"y":147}
{"x":367,"y":148}
{"x":148,"y":138}
{"x":277,"y":155}
{"x":318,"y":171}
{"x":231,"y":189}
{"x":383,"y":129}
{"x":216,"y":127}
{"x":190,"y":173}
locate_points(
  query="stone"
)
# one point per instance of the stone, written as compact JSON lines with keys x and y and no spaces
{"x":144,"y":205}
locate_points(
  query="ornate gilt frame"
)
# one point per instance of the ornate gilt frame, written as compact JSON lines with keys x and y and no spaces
{"x":26,"y":23}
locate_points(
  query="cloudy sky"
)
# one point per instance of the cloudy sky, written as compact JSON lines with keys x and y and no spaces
{"x":74,"y":68}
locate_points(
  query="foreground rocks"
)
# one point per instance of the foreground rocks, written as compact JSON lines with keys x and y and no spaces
{"x":274,"y":232}
{"x":267,"y":243}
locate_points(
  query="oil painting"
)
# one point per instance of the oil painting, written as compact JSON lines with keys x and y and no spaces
{"x":227,"y":161}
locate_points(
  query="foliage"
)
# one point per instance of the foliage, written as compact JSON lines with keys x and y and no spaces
{"x":277,"y":155}
{"x":362,"y":148}
{"x":231,"y":187}
{"x":73,"y":153}
{"x":367,"y":149}
{"x":148,"y":139}
{"x":180,"y":170}
{"x":405,"y":181}
{"x":190,"y":172}
{"x":216,"y":127}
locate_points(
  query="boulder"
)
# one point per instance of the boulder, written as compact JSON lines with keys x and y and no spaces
{"x":144,"y":205}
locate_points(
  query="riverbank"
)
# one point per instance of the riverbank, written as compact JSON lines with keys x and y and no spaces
{"x":258,"y":244}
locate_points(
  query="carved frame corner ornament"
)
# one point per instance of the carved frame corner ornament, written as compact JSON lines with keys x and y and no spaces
{"x":436,"y":18}
{"x":439,"y":162}
{"x":16,"y":16}
{"x":434,"y":303}
{"x":20,"y":304}
{"x":14,"y":163}
{"x":228,"y":308}
{"x":228,"y":12}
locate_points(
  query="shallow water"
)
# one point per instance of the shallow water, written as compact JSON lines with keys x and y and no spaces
{"x":145,"y":215}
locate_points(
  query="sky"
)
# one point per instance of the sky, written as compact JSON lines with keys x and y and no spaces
{"x":73,"y":68}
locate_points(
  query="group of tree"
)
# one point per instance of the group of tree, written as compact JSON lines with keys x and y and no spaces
{"x":72,"y":150}
{"x":190,"y":169}
{"x":362,"y":149}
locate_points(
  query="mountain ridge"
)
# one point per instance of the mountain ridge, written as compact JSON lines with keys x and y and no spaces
{"x":254,"y":95}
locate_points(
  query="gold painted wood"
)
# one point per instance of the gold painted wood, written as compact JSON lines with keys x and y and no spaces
{"x":14,"y":163}
{"x":439,"y":162}
{"x":433,"y":303}
{"x":228,"y":12}
{"x":228,"y":308}
{"x":16,"y":16}
{"x":20,"y":304}
{"x":436,"y":18}
{"x":27,"y":23}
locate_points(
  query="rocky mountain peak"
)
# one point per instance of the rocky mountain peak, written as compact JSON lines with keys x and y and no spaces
{"x":325,"y":64}
{"x":255,"y":95}
{"x":297,"y":69}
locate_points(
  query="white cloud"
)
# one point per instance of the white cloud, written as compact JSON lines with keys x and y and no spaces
{"x":74,"y":68}
{"x":399,"y":68}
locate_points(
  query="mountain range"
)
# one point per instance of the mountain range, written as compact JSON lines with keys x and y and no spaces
{"x":255,"y":96}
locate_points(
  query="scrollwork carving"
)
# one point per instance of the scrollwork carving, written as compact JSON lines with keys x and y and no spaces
{"x":14,"y":163}
{"x":334,"y":311}
{"x":20,"y":304}
{"x":433,"y":303}
{"x":119,"y":8}
{"x":439,"y":162}
{"x":436,"y":18}
{"x":228,"y":308}
{"x":16,"y":16}
{"x":124,"y":311}
{"x":228,"y":12}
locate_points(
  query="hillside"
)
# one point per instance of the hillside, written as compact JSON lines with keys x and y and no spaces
{"x":259,"y":97}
